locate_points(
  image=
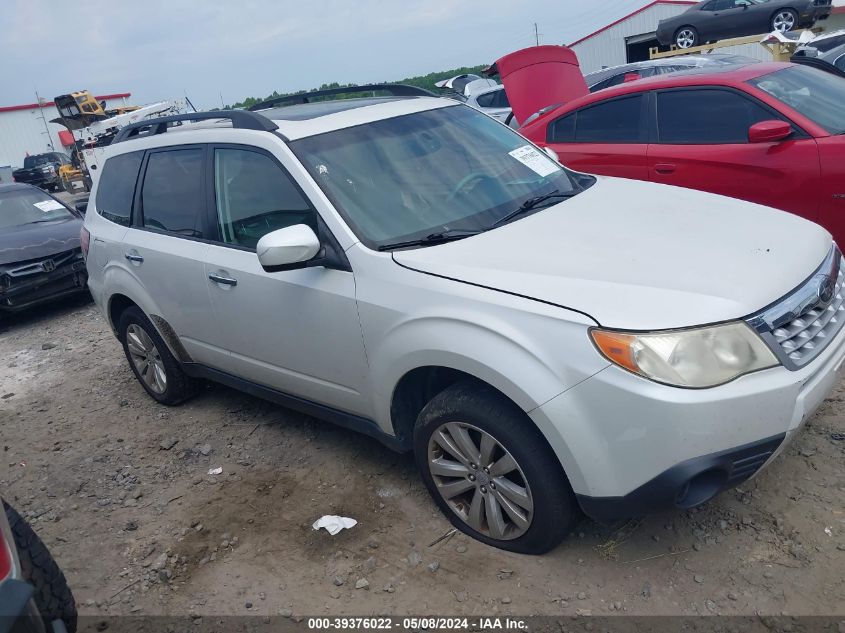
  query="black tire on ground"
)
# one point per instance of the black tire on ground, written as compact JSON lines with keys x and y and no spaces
{"x":555,"y":507}
{"x":179,"y":385}
{"x":52,"y":594}
{"x":794,"y":18}
{"x":692,"y":31}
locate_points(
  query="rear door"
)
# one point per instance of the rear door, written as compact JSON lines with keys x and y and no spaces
{"x":296,"y":331}
{"x":701,"y":142}
{"x":164,"y":249}
{"x":608,"y":138}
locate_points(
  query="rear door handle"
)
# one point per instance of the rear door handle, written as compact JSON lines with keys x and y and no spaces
{"x":664,"y":168}
{"x":220,"y":279}
{"x":134,"y":257}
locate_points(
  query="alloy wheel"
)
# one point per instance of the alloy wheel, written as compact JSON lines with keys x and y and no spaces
{"x":784,"y":21}
{"x":480,"y":481}
{"x":146,"y":358}
{"x":685,"y":38}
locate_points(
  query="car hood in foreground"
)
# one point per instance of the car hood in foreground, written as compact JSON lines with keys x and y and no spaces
{"x":33,"y":241}
{"x":639,"y":256}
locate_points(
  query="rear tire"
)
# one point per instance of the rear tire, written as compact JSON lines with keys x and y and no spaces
{"x":150,"y":359}
{"x":784,"y":20}
{"x":52,"y":594}
{"x":686,"y":37}
{"x":526,"y":506}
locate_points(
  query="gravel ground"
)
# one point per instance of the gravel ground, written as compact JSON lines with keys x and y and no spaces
{"x":118,"y":487}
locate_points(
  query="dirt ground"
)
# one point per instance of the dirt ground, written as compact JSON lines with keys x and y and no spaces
{"x":118,"y":487}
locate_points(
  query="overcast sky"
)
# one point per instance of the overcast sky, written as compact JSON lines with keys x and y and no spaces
{"x":159,"y":49}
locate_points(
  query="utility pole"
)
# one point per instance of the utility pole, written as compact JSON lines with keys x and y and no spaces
{"x":44,"y":119}
{"x":536,"y":34}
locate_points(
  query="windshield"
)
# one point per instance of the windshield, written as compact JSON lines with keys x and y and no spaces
{"x":27,"y":206}
{"x":35,"y":161}
{"x":449,"y":169}
{"x":816,"y":94}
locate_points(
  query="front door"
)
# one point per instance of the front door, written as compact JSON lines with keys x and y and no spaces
{"x":295,"y":331}
{"x":702,"y":143}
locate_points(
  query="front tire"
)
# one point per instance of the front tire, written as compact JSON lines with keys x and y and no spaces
{"x":686,"y":37}
{"x":784,"y":20}
{"x":158,"y":371}
{"x":491,"y":472}
{"x":52,"y":594}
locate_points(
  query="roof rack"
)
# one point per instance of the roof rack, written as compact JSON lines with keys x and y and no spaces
{"x":241,"y":119}
{"x":396,"y":90}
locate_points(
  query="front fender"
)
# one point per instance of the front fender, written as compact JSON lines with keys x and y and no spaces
{"x":510,"y":356}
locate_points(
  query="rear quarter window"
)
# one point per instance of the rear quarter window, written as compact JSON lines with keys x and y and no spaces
{"x":116,"y":189}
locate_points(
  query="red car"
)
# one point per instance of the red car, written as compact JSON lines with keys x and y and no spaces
{"x":769,"y":133}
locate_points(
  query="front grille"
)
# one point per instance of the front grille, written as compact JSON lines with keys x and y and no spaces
{"x":37,"y":266}
{"x":803,"y":338}
{"x":803,"y":323}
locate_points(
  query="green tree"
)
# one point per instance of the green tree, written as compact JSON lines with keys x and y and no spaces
{"x":421,"y":81}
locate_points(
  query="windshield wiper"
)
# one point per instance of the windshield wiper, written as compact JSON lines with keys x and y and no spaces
{"x":528,"y":205}
{"x":428,"y":240}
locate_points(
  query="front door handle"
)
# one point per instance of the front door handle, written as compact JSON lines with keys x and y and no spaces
{"x":134,"y":257}
{"x":220,"y":279}
{"x":664,"y":168}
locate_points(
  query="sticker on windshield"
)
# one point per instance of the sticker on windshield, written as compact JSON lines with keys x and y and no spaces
{"x":538,"y":162}
{"x":49,"y":205}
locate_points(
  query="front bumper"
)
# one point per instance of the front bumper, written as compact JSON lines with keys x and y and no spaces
{"x":630,"y":446}
{"x":21,"y":293}
{"x":39,"y":180}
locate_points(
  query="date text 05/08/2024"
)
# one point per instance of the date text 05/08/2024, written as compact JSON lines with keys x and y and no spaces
{"x":418,"y":623}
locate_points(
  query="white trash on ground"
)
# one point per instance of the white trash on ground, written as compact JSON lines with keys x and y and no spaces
{"x":334,"y":523}
{"x":215,"y":471}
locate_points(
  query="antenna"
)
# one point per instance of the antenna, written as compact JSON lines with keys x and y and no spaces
{"x":41,"y":103}
{"x":536,"y":35}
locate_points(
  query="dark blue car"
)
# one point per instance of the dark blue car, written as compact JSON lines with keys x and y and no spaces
{"x":40,"y":254}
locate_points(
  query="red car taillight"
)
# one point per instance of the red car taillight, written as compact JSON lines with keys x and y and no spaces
{"x":84,"y":241}
{"x":5,"y":557}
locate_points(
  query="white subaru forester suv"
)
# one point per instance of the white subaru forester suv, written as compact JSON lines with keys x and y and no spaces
{"x":542,"y":340}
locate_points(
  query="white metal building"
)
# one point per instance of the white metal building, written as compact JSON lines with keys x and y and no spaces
{"x":629,"y":38}
{"x":23,"y":129}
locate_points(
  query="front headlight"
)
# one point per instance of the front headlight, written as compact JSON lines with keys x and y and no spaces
{"x":702,"y":357}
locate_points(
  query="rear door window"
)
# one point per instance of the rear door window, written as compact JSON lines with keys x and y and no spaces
{"x":116,"y":189}
{"x":707,"y":117}
{"x":617,"y":121}
{"x":173,"y":194}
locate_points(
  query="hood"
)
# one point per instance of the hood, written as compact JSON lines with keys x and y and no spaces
{"x":640,"y":256}
{"x":34,"y":241}
{"x":539,"y":76}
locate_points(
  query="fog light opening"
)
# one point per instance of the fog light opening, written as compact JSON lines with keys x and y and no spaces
{"x":701,"y":488}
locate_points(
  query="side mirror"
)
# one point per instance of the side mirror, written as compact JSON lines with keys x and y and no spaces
{"x":552,"y":154}
{"x":82,"y":207}
{"x":769,"y":131}
{"x":287,"y":249}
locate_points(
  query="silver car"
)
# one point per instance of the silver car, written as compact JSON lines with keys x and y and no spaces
{"x":543,"y":341}
{"x":607,"y":77}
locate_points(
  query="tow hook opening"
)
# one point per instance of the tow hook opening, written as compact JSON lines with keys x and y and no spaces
{"x":701,"y":488}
